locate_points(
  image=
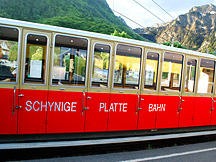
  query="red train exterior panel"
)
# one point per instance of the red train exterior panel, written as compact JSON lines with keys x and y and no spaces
{"x":167,"y":116}
{"x":186,"y":111}
{"x":32,"y":115}
{"x":213,"y":112}
{"x":122,"y":112}
{"x":202,"y":115}
{"x":8,"y":118}
{"x":147,"y":114}
{"x":65,"y":112}
{"x":97,"y":112}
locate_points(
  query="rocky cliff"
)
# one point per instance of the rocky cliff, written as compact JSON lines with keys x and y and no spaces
{"x":195,"y":30}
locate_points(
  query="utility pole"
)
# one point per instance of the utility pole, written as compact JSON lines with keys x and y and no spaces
{"x":172,"y":42}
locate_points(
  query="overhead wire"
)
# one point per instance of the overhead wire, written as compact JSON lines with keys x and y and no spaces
{"x":163,"y":9}
{"x":152,"y":14}
{"x":149,"y":11}
{"x":130,"y":20}
{"x":167,"y":14}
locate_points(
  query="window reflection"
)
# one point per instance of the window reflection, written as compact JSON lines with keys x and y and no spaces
{"x":151,"y":71}
{"x":100,"y":69}
{"x":8,"y":54}
{"x":171,"y":72}
{"x":190,"y":75}
{"x":206,"y":76}
{"x":35,"y":59}
{"x":69,"y":63}
{"x":127,"y":66}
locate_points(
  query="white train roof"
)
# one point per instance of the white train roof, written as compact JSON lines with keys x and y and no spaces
{"x":101,"y":36}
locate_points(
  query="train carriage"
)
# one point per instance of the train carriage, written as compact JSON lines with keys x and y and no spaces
{"x":60,"y":83}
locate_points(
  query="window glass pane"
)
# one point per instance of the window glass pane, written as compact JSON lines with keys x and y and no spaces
{"x":171,"y":72}
{"x":127,"y":67}
{"x":190,"y":75}
{"x":35,"y":59}
{"x":151,"y":71}
{"x":8,"y":54}
{"x":206,"y":76}
{"x":100,"y":69}
{"x":69,"y":63}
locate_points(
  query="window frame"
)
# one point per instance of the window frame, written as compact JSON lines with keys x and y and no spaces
{"x":140,"y":72}
{"x":158,"y":67}
{"x":18,"y":54}
{"x":213,"y":87}
{"x":162,"y":61}
{"x":87,"y":61}
{"x":108,"y":79}
{"x":24,"y":59}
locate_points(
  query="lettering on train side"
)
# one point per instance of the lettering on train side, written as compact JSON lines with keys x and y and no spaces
{"x":114,"y":107}
{"x":51,"y":106}
{"x":157,"y":107}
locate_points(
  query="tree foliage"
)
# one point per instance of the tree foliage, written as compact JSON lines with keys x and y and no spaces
{"x":121,"y":34}
{"x":38,"y":55}
{"x":89,"y":15}
{"x":175,"y":44}
{"x":13,"y":52}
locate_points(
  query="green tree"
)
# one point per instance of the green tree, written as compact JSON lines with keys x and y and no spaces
{"x":38,"y":55}
{"x":89,"y":15}
{"x":122,"y":34}
{"x":13,"y":52}
{"x":175,"y":44}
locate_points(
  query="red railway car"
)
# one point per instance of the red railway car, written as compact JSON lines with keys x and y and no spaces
{"x":60,"y":83}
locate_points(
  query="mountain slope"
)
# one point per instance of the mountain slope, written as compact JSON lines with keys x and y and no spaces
{"x":89,"y":15}
{"x":195,"y":29}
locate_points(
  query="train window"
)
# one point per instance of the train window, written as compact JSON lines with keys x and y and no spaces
{"x":127,"y":66}
{"x":206,"y":76}
{"x":190,"y":75}
{"x":69,"y":63}
{"x":151,"y":71}
{"x":8,"y":54}
{"x":35,"y":59}
{"x":171,"y":72}
{"x":100,"y":67}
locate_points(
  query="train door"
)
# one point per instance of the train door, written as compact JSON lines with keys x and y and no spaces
{"x":98,"y":91}
{"x":187,"y":99}
{"x":125,"y":93}
{"x":9,"y":78}
{"x":67,"y":91}
{"x":149,"y":94}
{"x":204,"y":98}
{"x":34,"y":82}
{"x":169,"y":95}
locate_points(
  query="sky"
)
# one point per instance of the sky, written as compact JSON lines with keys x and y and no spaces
{"x":135,"y":12}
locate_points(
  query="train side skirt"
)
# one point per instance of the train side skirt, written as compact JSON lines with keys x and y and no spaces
{"x":31,"y":145}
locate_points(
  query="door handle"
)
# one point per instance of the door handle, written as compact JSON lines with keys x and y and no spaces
{"x":138,"y":101}
{"x":211,"y":110}
{"x":83,"y":101}
{"x":88,"y":97}
{"x":179,"y":110}
{"x":212,"y":107}
{"x":21,"y":95}
{"x":85,"y":108}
